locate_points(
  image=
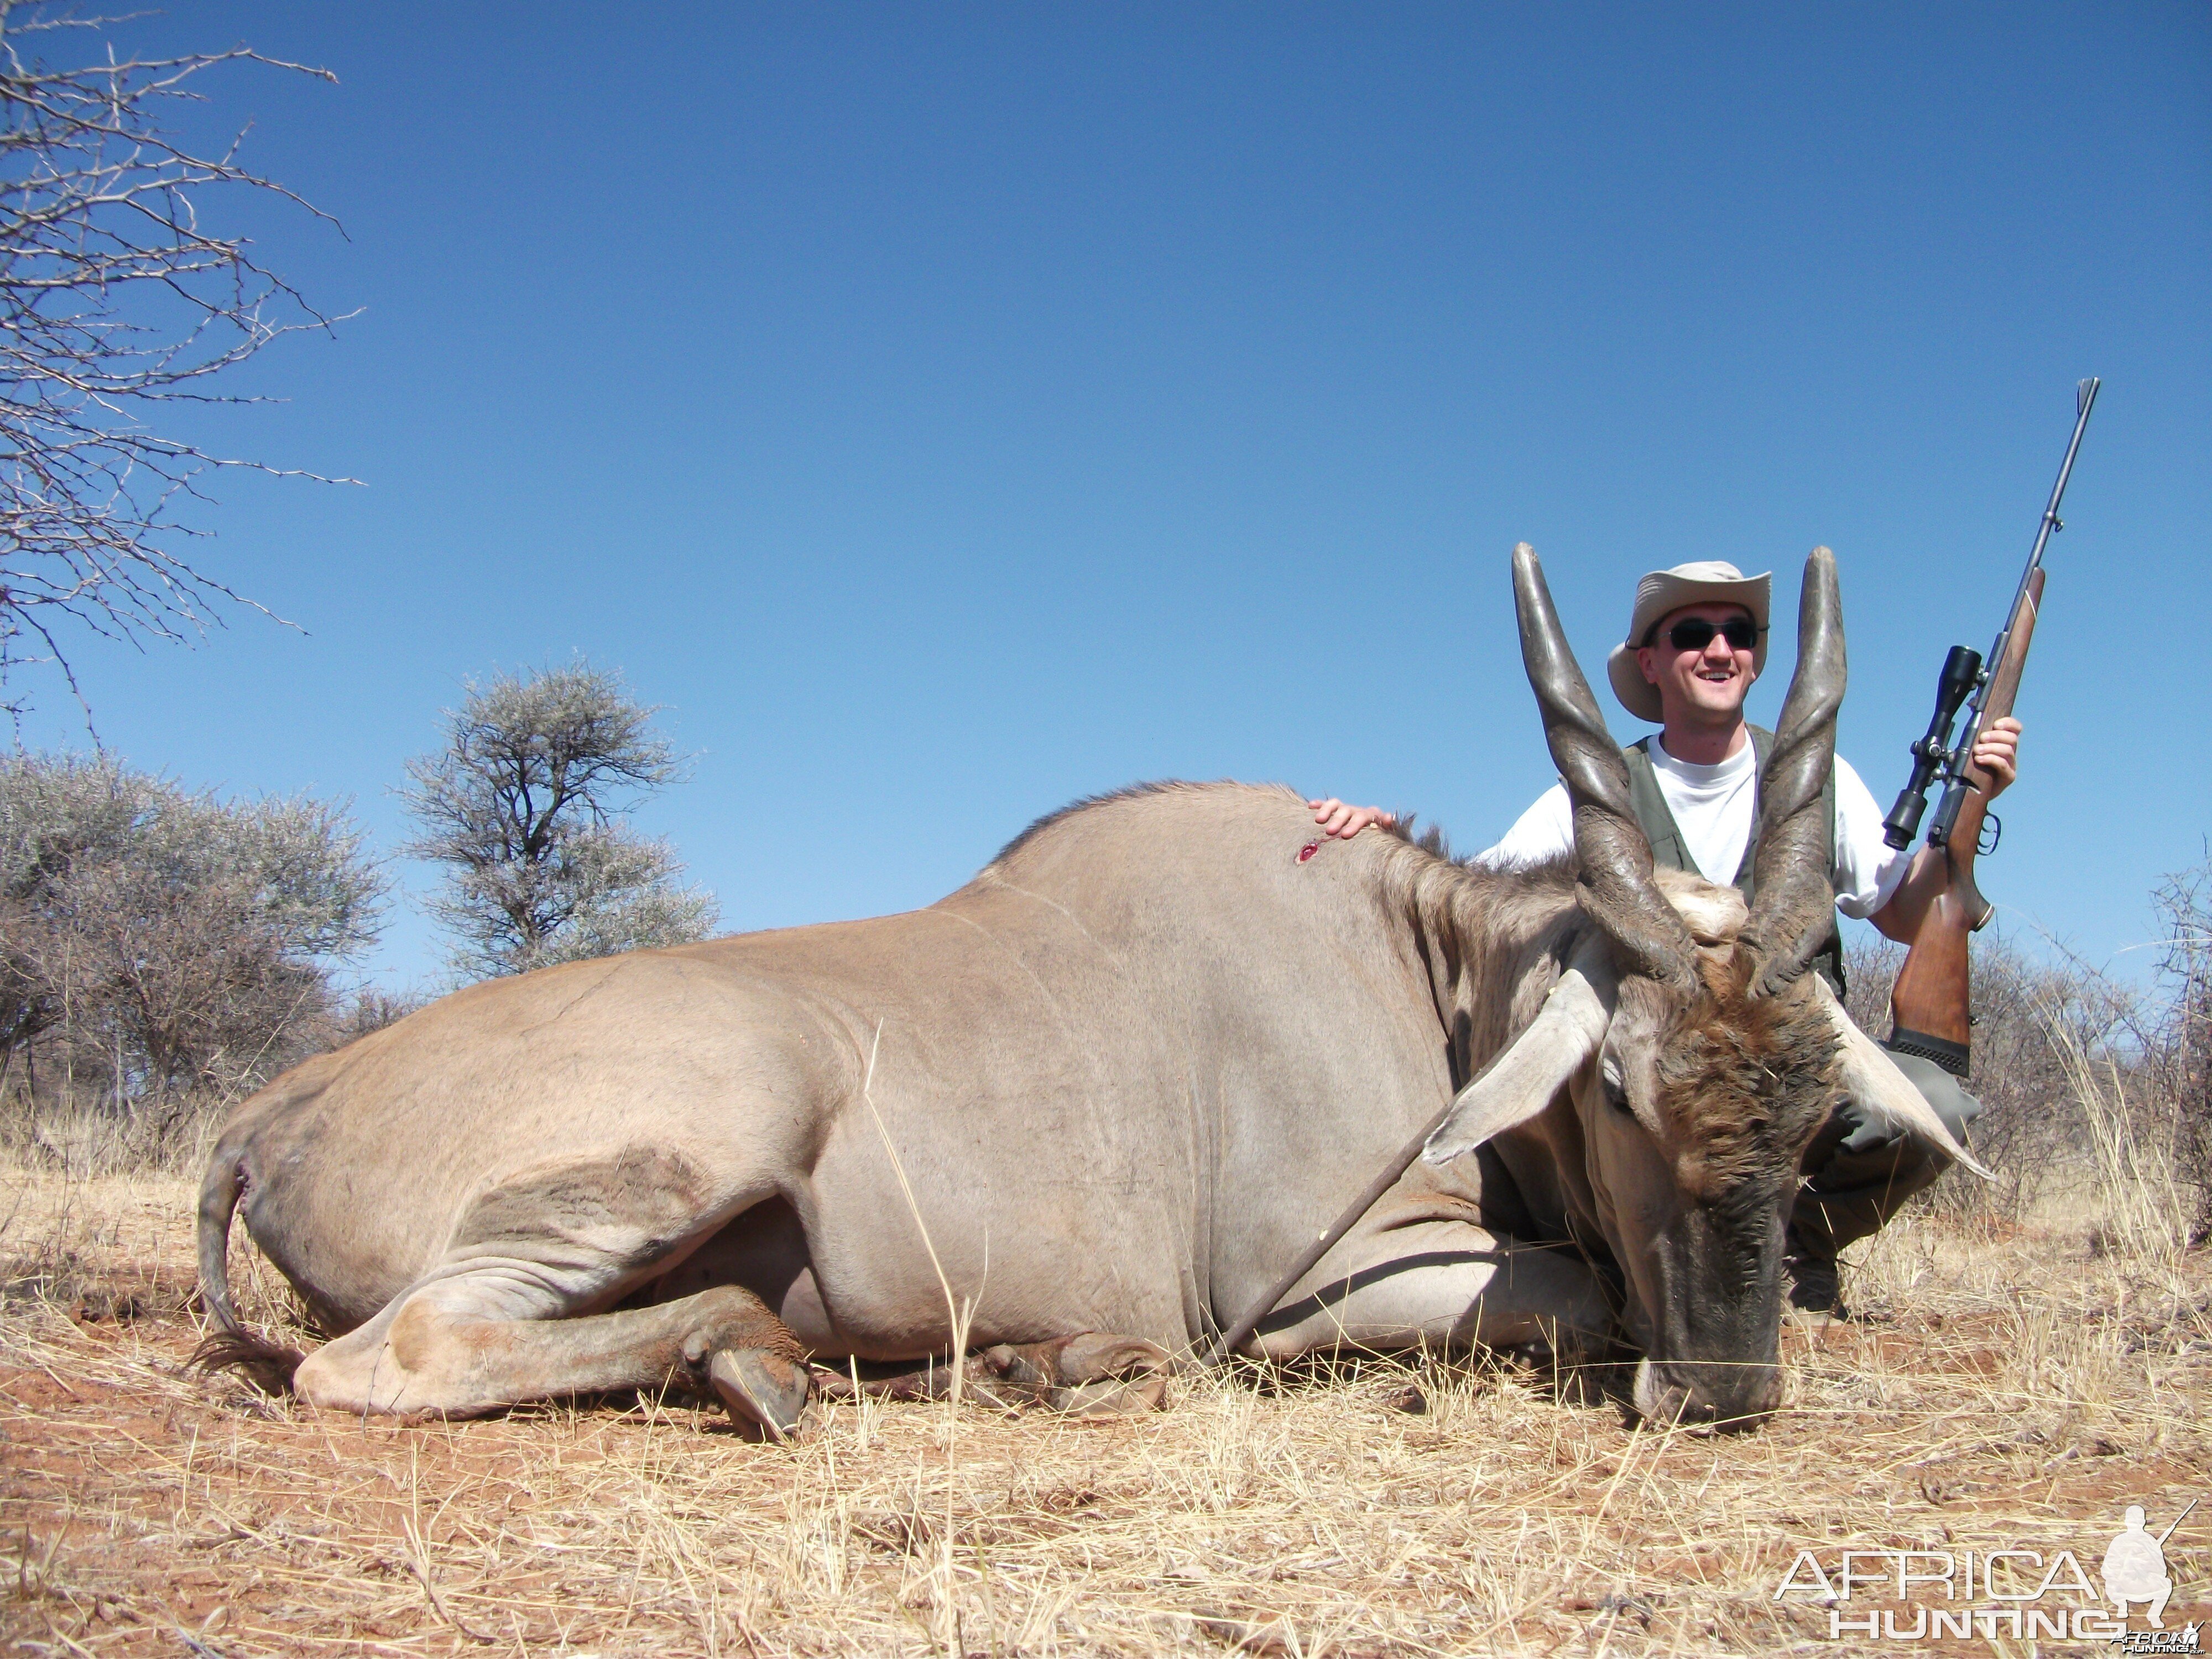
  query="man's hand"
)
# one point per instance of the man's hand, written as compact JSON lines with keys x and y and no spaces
{"x":1336,"y":819}
{"x":1997,"y":754}
{"x":1996,"y":757}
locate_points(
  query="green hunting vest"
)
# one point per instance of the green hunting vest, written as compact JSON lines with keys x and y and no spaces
{"x":1669,"y":852}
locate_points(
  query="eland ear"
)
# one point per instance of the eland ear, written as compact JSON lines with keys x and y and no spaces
{"x":1875,"y":1081}
{"x":1523,"y":1079}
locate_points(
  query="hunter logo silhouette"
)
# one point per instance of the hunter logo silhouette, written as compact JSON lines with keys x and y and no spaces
{"x":2135,"y":1566}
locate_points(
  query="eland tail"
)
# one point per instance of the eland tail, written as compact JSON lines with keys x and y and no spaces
{"x":228,"y":1346}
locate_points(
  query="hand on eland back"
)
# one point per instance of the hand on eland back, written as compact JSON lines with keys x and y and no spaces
{"x":1336,"y":817}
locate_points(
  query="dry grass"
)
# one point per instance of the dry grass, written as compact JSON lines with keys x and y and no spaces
{"x":2014,"y":1387}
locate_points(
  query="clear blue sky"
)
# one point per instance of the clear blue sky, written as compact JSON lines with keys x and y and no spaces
{"x":950,"y":410}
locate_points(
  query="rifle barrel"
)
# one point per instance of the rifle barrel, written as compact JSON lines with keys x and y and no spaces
{"x":1954,"y":768}
{"x":2085,"y":399}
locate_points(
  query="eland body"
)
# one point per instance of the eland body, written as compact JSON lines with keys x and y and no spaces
{"x":1091,"y":1104}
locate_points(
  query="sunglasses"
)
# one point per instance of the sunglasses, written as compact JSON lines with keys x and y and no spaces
{"x":1695,"y":634}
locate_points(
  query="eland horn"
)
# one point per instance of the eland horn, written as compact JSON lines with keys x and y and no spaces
{"x":1617,"y":889}
{"x":1793,"y":910}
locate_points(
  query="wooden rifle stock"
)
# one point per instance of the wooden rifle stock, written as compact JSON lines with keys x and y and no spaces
{"x":1939,"y":906}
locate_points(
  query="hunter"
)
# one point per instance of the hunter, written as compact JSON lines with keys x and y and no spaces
{"x":1697,"y":641}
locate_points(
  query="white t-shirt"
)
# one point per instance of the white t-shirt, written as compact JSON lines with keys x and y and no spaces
{"x":1712,"y":807}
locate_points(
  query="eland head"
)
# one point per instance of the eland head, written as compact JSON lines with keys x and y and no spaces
{"x":1696,"y":1053}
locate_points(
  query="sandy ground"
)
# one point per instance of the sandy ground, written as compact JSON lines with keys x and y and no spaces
{"x":2000,"y":1391}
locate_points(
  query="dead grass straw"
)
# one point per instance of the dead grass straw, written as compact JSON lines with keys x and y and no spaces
{"x":2006,"y":1385}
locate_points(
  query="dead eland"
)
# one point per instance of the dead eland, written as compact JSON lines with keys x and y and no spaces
{"x":1082,"y":1111}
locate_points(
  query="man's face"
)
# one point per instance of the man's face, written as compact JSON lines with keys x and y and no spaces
{"x":1702,"y":686}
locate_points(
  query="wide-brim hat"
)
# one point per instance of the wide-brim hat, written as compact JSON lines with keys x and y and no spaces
{"x":1707,"y":581}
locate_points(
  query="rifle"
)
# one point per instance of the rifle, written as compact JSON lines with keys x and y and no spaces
{"x":1939,"y":904}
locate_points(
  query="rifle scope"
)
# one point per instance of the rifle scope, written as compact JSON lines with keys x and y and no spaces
{"x":1962,"y":672}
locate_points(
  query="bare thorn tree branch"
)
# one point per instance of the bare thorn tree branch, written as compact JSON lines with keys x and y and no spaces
{"x":117,"y":302}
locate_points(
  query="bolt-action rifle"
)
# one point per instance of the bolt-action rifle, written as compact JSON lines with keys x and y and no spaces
{"x":1939,"y":905}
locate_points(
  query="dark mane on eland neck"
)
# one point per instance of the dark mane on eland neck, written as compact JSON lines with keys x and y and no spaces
{"x":1494,"y":941}
{"x":1746,"y":1078}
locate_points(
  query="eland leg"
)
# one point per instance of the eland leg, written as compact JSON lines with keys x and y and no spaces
{"x":516,"y":1310}
{"x":461,"y":1346}
{"x":1092,"y":1374}
{"x":1443,"y":1285}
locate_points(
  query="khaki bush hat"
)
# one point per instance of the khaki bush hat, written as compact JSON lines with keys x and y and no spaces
{"x":1708,"y":581}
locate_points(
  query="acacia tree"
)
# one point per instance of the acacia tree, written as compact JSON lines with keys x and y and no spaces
{"x":523,"y":808}
{"x":119,"y":301}
{"x":155,"y":942}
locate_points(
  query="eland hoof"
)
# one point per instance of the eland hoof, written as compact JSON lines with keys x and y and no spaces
{"x":1110,"y":1397}
{"x":1093,"y":1374}
{"x":764,"y":1392}
{"x":1102,"y":1375}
